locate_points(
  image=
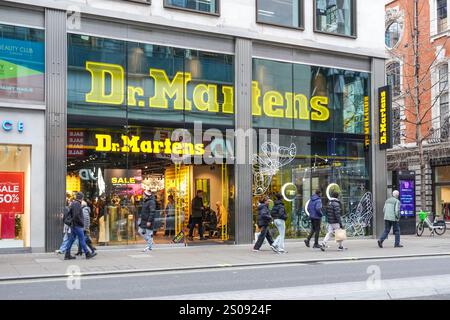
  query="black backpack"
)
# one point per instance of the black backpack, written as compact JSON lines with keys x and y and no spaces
{"x":68,"y":216}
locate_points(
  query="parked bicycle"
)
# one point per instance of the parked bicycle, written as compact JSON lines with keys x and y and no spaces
{"x":438,"y":227}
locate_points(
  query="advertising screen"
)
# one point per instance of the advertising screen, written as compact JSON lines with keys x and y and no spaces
{"x":407,"y":198}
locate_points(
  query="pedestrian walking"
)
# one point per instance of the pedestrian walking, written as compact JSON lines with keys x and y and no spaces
{"x":264,"y":219}
{"x":87,"y":224}
{"x":147,"y":219}
{"x":334,"y":211}
{"x":279,"y":216}
{"x":197,"y":215}
{"x":391,"y":219}
{"x":315,"y":215}
{"x":75,"y":220}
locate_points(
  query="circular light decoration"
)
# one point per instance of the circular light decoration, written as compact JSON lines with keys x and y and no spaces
{"x":306,"y":207}
{"x":289,"y":191}
{"x":332,"y":187}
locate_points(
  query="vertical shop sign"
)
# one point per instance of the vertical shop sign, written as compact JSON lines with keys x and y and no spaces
{"x":385,"y":117}
{"x":366,"y":123}
{"x":11,"y":192}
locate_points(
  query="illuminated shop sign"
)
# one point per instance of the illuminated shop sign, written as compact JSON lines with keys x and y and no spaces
{"x":134,"y":144}
{"x":9,"y":125}
{"x":385,"y":105}
{"x":108,"y":87}
{"x":366,"y":123}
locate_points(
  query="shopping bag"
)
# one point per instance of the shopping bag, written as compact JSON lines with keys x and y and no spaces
{"x":340,"y":235}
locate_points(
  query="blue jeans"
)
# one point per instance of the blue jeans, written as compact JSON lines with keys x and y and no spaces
{"x":387,"y":228}
{"x":281,"y":226}
{"x":77,"y":232}
{"x":64,"y":244}
{"x":148,"y":236}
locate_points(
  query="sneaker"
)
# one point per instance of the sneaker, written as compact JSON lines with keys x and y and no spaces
{"x":256,"y":250}
{"x":398,"y":246}
{"x":59,"y":252}
{"x":306,"y":243}
{"x":322,"y":247}
{"x":342,"y":248}
{"x":282,"y":251}
{"x":147,"y":249}
{"x":316,"y":246}
{"x":380,"y":243}
{"x":90,"y":255}
{"x":69,"y":257}
{"x":274,"y":249}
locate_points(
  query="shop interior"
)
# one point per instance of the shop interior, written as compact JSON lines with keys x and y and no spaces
{"x":113,"y":184}
{"x":14,"y":222}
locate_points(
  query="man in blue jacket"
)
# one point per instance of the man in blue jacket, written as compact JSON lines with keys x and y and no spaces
{"x":315,"y":214}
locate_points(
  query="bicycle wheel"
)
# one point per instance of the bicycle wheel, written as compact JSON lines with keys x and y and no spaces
{"x":440,"y":228}
{"x":419,"y":229}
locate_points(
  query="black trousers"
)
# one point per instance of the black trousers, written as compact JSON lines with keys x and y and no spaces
{"x":264,"y":234}
{"x":315,"y":231}
{"x":199,"y":222}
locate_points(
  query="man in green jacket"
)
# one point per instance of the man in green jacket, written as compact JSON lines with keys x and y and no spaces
{"x":391,"y":219}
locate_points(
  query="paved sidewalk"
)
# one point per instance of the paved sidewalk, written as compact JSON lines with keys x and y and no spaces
{"x":110,"y":261}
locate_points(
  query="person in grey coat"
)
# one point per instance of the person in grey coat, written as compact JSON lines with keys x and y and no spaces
{"x":391,"y":219}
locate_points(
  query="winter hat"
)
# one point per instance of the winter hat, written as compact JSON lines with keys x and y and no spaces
{"x":79,"y":196}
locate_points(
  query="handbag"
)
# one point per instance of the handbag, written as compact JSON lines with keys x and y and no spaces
{"x":340,"y":235}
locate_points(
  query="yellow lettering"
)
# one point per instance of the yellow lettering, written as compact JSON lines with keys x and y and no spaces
{"x":273,"y":99}
{"x":98,"y":72}
{"x":130,"y":143}
{"x":205,"y":98}
{"x":320,"y":105}
{"x":188,"y":148}
{"x":228,"y":99}
{"x":172,"y":89}
{"x":157,"y":146}
{"x":146,"y":146}
{"x":168,"y":149}
{"x":292,"y":101}
{"x":199,"y":149}
{"x":103,"y":142}
{"x":132,"y":91}
{"x":177,"y":148}
{"x":256,"y":94}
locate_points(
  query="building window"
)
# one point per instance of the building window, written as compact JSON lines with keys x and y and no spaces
{"x":441,"y":10}
{"x":336,"y":17}
{"x":287,"y":13}
{"x":204,"y":6}
{"x":392,"y":35}
{"x":443,"y":100}
{"x":393,"y":77}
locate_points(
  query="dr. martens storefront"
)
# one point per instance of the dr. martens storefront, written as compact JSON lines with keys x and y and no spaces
{"x":142,"y":116}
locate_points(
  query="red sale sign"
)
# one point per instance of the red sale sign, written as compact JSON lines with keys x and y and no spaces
{"x":11,"y":192}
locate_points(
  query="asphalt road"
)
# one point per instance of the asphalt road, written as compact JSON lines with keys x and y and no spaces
{"x":271,"y":279}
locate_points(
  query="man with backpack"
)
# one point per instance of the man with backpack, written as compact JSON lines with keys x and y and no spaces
{"x":87,"y":224}
{"x":147,"y":224}
{"x":315,"y":215}
{"x":74,"y":219}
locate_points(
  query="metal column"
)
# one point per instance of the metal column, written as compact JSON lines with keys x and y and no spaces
{"x":56,"y":124}
{"x":243,"y":171}
{"x":379,"y":166}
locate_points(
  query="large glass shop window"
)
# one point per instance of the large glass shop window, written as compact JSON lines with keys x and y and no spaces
{"x":21,"y":63}
{"x":14,"y":196}
{"x":322,"y":118}
{"x":147,"y":117}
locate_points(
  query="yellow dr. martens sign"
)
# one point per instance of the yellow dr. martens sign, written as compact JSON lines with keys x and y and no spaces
{"x":205,"y":97}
